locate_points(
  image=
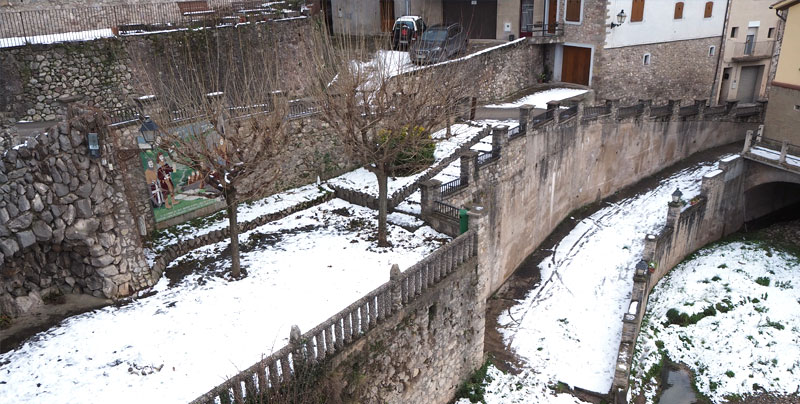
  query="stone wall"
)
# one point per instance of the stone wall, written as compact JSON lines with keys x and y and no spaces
{"x":554,"y":166}
{"x":64,"y":224}
{"x":680,"y":69}
{"x":507,"y":69}
{"x":412,"y":340}
{"x":38,"y":81}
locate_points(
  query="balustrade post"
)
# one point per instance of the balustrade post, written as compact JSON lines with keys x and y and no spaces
{"x":373,"y":311}
{"x":467,"y":175}
{"x":338,"y":333}
{"x":430,"y":192}
{"x":524,"y":115}
{"x":701,"y":108}
{"x":748,"y":140}
{"x":784,"y":151}
{"x":363,"y":318}
{"x":396,"y":293}
{"x":647,"y":105}
{"x":298,"y":356}
{"x":348,"y":327}
{"x":581,"y":109}
{"x":499,"y":140}
{"x":329,"y":340}
{"x":649,"y":247}
{"x":553,"y":109}
{"x":760,"y":133}
{"x":675,"y":113}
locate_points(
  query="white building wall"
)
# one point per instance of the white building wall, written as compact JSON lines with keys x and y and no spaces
{"x":658,"y":24}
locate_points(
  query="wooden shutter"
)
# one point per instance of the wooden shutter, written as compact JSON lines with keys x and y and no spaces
{"x":573,"y":10}
{"x":678,"y":10}
{"x":709,"y":9}
{"x":637,"y":10}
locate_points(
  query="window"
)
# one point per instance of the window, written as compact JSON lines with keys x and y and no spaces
{"x":709,"y":9}
{"x":637,"y":10}
{"x":678,"y":10}
{"x":573,"y":10}
{"x":712,"y":50}
{"x":734,"y":32}
{"x":646,"y":59}
{"x":770,"y":32}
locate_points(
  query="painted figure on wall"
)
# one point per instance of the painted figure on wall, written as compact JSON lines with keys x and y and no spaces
{"x":151,"y":177}
{"x":165,"y":182}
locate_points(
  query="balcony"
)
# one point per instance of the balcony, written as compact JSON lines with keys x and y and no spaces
{"x":543,"y":33}
{"x":748,"y":51}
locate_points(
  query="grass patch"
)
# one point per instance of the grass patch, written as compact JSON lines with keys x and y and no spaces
{"x":474,"y":388}
{"x":674,"y":316}
{"x":763,"y":280}
{"x":730,"y":373}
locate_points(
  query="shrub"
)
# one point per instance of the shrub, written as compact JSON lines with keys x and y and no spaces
{"x":730,"y":373}
{"x":762,"y":280}
{"x":414,"y":158}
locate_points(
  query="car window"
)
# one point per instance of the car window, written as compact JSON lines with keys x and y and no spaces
{"x":434,"y":35}
{"x":419,"y":25}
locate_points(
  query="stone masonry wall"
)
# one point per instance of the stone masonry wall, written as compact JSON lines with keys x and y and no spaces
{"x":64,"y":224}
{"x":679,"y":69}
{"x":556,"y":168}
{"x":38,"y":81}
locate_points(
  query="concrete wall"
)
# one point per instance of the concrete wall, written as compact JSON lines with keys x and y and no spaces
{"x":355,"y":17}
{"x":658,"y":24}
{"x":64,"y":223}
{"x":789,"y":61}
{"x":783,"y":114}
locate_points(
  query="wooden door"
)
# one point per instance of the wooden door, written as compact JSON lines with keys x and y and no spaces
{"x":575,"y":65}
{"x":552,"y":8}
{"x":387,"y":15}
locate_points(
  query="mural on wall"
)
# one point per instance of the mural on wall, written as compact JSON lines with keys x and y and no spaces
{"x":175,"y":189}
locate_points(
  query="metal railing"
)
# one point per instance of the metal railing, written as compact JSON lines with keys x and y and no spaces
{"x":627,"y":112}
{"x":689,"y":110}
{"x":568,"y":113}
{"x":445,"y":209}
{"x":590,"y":112}
{"x":452,"y":186}
{"x":747,"y":110}
{"x":661,"y":110}
{"x":749,"y":49}
{"x":487,"y":157}
{"x":50,"y":25}
{"x":539,"y":30}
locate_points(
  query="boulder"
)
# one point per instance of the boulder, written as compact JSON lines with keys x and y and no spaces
{"x":8,"y":306}
{"x":8,"y":246}
{"x":42,"y":231}
{"x":26,"y":238}
{"x":20,"y":222}
{"x":84,"y":208}
{"x":37,"y":203}
{"x":82,"y":229}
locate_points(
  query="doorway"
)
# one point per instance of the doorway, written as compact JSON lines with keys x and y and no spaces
{"x":750,"y":83}
{"x":387,"y":15}
{"x":478,"y":17}
{"x":576,"y":65}
{"x":725,"y":85}
{"x":552,"y":9}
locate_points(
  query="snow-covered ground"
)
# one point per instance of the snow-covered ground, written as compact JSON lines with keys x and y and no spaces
{"x":188,"y":337}
{"x":774,"y":155}
{"x":752,"y":339}
{"x":64,"y":37}
{"x":568,"y":328}
{"x":364,"y":181}
{"x":246,"y":212}
{"x":540,"y":99}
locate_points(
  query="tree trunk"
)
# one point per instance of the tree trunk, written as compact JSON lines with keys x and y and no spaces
{"x":383,"y":191}
{"x":230,"y":200}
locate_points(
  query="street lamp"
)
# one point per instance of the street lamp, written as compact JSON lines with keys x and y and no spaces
{"x":94,"y":144}
{"x":620,"y":19}
{"x":149,"y":129}
{"x":676,"y":196}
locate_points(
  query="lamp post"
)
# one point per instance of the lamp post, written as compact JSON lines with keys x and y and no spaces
{"x":149,"y":130}
{"x":93,"y":141}
{"x":620,"y":19}
{"x":676,"y":197}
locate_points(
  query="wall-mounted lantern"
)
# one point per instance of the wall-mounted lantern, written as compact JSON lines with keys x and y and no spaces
{"x":676,"y":196}
{"x":148,"y":129}
{"x":94,"y":144}
{"x":620,"y":19}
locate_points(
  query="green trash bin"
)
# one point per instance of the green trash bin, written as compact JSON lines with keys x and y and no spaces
{"x":463,"y":220}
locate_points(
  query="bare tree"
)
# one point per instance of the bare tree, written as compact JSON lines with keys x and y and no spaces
{"x":381,"y":106}
{"x":219,"y":111}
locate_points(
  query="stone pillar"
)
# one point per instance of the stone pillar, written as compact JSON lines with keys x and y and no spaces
{"x":468,"y":159}
{"x":673,"y":213}
{"x":784,"y":150}
{"x":701,"y":108}
{"x":613,"y":107}
{"x":748,"y":140}
{"x":524,"y":114}
{"x":479,"y":223}
{"x":430,"y":191}
{"x":397,"y":298}
{"x":760,"y":133}
{"x":649,"y":248}
{"x":647,"y":104}
{"x":499,"y":139}
{"x":675,"y":114}
{"x":553,"y":109}
{"x":579,"y":113}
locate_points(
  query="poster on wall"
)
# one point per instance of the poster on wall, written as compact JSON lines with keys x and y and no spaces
{"x":175,"y":189}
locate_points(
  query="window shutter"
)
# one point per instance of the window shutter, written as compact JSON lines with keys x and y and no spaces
{"x":573,"y":10}
{"x":637,"y":10}
{"x":678,"y":10}
{"x":709,"y":9}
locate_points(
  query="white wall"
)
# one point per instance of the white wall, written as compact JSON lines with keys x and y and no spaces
{"x":658,"y":24}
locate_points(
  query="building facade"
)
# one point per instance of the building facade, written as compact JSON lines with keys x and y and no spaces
{"x":747,"y":48}
{"x":783,"y":112}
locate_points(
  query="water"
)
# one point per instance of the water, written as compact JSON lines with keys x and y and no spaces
{"x":680,"y":389}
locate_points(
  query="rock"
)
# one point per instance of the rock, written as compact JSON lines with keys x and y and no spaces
{"x":20,"y":222}
{"x":81,"y":229}
{"x":78,"y":269}
{"x":26,"y":238}
{"x":109,"y":288}
{"x":3,"y":215}
{"x":4,"y":232}
{"x":24,"y":303}
{"x":69,"y":215}
{"x":108,"y":223}
{"x":38,"y":205}
{"x":8,"y":306}
{"x":106,"y":239}
{"x":8,"y":246}
{"x":84,"y":208}
{"x":84,"y":190}
{"x":23,"y":204}
{"x":42,"y":231}
{"x":40,"y":188}
{"x":60,"y":189}
{"x":107,"y":270}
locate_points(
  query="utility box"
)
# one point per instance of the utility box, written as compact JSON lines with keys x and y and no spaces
{"x":463,"y":221}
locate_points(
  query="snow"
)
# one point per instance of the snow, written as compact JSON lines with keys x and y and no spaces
{"x":191,"y":336}
{"x":730,"y":158}
{"x":755,"y":342}
{"x":517,"y":389}
{"x":53,"y":38}
{"x":774,"y":155}
{"x":540,"y":99}
{"x":713,"y":174}
{"x":245,"y":213}
{"x":568,"y":328}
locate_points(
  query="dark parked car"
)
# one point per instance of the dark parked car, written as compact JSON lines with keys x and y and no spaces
{"x":407,"y":29}
{"x":438,"y":43}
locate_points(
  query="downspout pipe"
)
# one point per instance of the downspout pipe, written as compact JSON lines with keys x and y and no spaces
{"x":711,"y":96}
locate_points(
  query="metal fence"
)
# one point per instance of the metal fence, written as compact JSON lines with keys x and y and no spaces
{"x":452,"y":186}
{"x":488,"y":157}
{"x":84,"y":23}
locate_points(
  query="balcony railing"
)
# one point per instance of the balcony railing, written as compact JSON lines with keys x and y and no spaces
{"x":749,"y":50}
